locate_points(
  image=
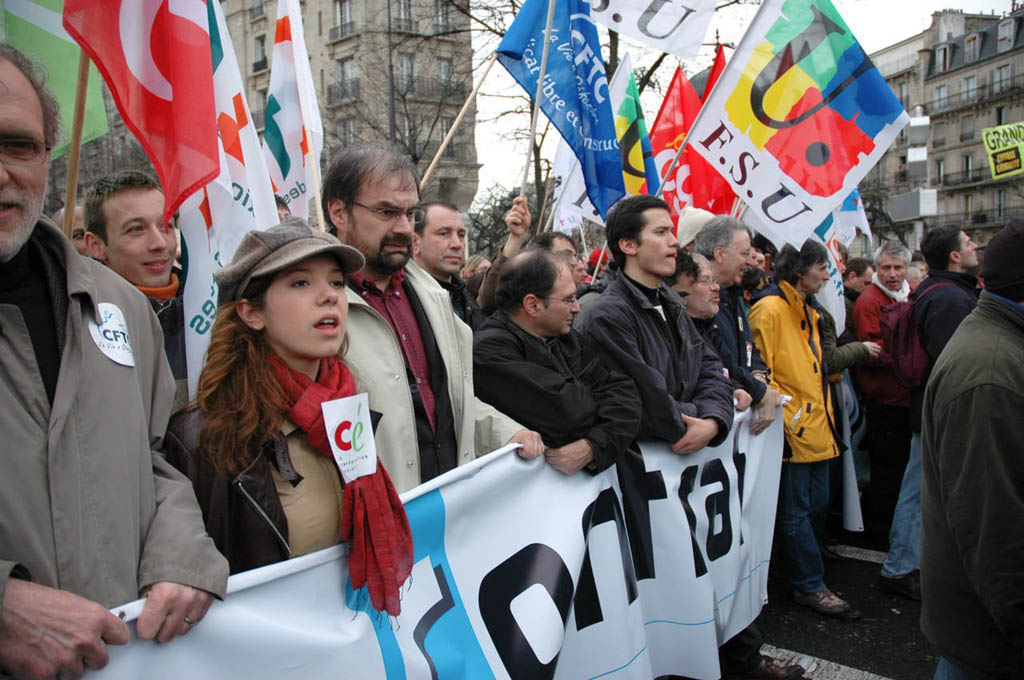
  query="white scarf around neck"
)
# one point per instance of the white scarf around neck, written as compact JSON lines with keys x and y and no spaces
{"x":899,"y":295}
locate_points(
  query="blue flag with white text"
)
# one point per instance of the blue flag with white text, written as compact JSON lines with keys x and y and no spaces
{"x":575,"y":96}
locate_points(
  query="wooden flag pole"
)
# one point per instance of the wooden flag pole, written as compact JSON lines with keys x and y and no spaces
{"x":75,"y":150}
{"x":540,"y":92}
{"x":458,"y":119}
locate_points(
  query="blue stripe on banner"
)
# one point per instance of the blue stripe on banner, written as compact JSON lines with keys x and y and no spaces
{"x":625,"y":665}
{"x":745,"y":578}
{"x":444,"y":634}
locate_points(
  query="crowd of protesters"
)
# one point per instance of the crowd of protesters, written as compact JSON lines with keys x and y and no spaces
{"x":118,"y":487}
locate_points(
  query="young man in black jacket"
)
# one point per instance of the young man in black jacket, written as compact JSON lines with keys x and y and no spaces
{"x":641,"y":328}
{"x":531,"y":365}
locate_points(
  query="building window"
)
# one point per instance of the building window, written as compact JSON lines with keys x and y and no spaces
{"x":445,"y":125}
{"x":901,"y":92}
{"x":1000,"y":115}
{"x":445,"y":71}
{"x":941,"y":97}
{"x":971,"y":48}
{"x":970,"y":86}
{"x":403,"y":15}
{"x":348,"y":70}
{"x":968,"y":164}
{"x":1003,"y":78}
{"x":967,"y":128}
{"x":347,"y":131}
{"x":1000,"y":204}
{"x":1006,"y":31}
{"x":443,"y":15}
{"x":942,"y":55}
{"x":939,"y":134}
{"x":940,"y":171}
{"x":446,"y":189}
{"x":968,"y":204}
{"x":260,"y":54}
{"x":405,"y":72}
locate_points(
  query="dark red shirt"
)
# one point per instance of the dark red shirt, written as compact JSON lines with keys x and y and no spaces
{"x":394,"y":305}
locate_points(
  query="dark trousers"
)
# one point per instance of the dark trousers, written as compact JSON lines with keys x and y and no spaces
{"x":741,"y":652}
{"x":888,"y":440}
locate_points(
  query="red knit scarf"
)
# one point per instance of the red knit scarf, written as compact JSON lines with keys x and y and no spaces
{"x":373,"y":519}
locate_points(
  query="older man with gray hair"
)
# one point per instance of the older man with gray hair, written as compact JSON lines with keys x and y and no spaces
{"x":886,"y":399}
{"x":725,"y":242}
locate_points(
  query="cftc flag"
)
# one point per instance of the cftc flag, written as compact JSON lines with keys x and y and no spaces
{"x":214,"y":219}
{"x":293,"y":136}
{"x":575,"y":93}
{"x":798,"y":118}
{"x":155,"y":58}
{"x":35,"y":28}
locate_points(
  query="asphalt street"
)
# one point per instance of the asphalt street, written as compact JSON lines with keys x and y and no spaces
{"x":885,"y":642}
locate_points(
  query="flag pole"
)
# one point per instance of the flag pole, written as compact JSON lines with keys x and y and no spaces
{"x":75,"y":150}
{"x":540,"y":92}
{"x":458,"y":119}
{"x":315,"y":167}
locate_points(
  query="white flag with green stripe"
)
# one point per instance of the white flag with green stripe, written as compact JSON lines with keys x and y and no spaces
{"x":34,"y":27}
{"x":293,"y":134}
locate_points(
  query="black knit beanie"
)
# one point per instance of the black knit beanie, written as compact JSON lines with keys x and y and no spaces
{"x":1003,"y":267}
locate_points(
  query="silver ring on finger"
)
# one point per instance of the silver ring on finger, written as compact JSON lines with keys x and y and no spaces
{"x":189,"y":622}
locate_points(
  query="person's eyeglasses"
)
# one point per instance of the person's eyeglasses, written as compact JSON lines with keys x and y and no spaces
{"x":708,"y":281}
{"x":392,"y":215}
{"x":23,"y":151}
{"x":569,"y":300}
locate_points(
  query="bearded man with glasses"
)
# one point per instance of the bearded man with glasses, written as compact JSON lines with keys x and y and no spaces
{"x":406,"y":347}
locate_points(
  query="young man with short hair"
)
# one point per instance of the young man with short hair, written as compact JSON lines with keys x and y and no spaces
{"x":124,"y":229}
{"x":439,"y":248}
{"x":642,"y":329}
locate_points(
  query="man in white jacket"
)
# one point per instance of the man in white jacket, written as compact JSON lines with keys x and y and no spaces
{"x":406,"y":347}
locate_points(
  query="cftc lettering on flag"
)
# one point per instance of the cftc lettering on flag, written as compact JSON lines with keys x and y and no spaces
{"x":575,"y":95}
{"x":798,"y":118}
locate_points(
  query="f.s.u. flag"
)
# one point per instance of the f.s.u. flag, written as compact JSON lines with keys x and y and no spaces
{"x":293,"y":135}
{"x":798,"y":118}
{"x":155,"y":58}
{"x":575,"y":96}
{"x":639,"y":173}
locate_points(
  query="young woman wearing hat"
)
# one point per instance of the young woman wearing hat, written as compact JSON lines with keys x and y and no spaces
{"x":254,"y":443}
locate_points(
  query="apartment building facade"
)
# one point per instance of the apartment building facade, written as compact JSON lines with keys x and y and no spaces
{"x":966,"y":73}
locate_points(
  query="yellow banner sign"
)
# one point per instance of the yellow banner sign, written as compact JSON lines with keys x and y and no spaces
{"x":1004,"y":146}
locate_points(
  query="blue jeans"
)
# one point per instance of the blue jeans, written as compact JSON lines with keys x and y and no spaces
{"x":803,"y":493}
{"x":947,"y":670}
{"x":905,"y":533}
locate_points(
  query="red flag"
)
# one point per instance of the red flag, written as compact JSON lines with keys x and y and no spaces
{"x":155,"y":57}
{"x":694,"y":181}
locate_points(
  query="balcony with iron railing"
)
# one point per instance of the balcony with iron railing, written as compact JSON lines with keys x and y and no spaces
{"x":457,"y":152}
{"x":336,"y":33}
{"x":403,"y":25}
{"x":979,"y":93}
{"x":260,"y":64}
{"x":343,"y":91}
{"x":954,"y":179}
{"x":992,"y":217}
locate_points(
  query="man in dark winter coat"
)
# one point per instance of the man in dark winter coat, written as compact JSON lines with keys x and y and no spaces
{"x":971,"y":541}
{"x":640,"y":327}
{"x":531,"y":365}
{"x":941,"y":302}
{"x":725,"y":242}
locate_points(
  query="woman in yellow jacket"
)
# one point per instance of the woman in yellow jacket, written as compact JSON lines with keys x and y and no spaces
{"x":785,"y":322}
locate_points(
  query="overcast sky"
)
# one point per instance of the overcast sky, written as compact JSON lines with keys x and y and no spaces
{"x":875,"y":23}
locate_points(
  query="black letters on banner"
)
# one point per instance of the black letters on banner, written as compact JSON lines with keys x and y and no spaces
{"x":587,"y":603}
{"x":639,"y":487}
{"x":419,"y":634}
{"x":717,"y":543}
{"x":536,"y":564}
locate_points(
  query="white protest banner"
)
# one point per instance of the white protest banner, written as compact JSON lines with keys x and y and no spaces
{"x":798,"y":117}
{"x":520,"y":572}
{"x":674,"y":27}
{"x":831,"y":295}
{"x":214,"y":219}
